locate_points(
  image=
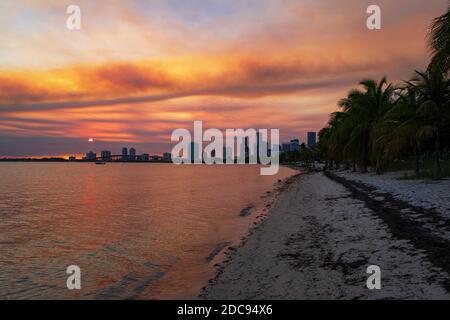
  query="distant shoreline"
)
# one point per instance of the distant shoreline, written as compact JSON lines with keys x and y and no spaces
{"x":78,"y":160}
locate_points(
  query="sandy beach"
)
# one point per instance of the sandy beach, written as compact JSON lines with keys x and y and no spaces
{"x":323,"y":233}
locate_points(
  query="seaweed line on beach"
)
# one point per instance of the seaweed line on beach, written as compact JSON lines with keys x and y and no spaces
{"x":392,"y":212}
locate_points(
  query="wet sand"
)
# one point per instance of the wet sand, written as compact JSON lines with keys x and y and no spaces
{"x":320,"y":237}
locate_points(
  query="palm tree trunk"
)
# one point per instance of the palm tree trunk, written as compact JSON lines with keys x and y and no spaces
{"x":379,"y":169}
{"x":365,"y":156}
{"x":416,"y":162}
{"x":437,"y":163}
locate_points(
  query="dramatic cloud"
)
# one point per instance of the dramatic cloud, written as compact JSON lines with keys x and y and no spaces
{"x":139,"y":69}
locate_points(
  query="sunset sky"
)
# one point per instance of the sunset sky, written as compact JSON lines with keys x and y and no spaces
{"x":139,"y":69}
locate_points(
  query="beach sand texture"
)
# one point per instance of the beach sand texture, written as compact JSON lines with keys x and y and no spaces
{"x":318,"y":241}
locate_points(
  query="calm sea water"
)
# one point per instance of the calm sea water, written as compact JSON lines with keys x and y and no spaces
{"x":142,"y":231}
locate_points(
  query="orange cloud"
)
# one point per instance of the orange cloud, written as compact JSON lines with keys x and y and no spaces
{"x":139,"y":69}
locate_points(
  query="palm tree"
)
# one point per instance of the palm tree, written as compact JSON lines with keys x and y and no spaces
{"x":351,"y":148}
{"x":439,"y":42}
{"x":323,"y":144}
{"x":336,"y":139}
{"x":434,"y":95}
{"x":401,"y":128}
{"x":332,"y":141}
{"x":334,"y":145}
{"x":365,"y":109}
{"x":378,"y":122}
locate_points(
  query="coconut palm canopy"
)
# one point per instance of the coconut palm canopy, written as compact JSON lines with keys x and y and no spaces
{"x":383,"y":122}
{"x":439,"y":41}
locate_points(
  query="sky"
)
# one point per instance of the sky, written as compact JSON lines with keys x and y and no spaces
{"x":139,"y":69}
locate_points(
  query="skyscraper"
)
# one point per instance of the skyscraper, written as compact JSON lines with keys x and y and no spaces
{"x":285,"y":147}
{"x":124,"y":154}
{"x":132,"y":155}
{"x":106,"y":155}
{"x":167,"y":156}
{"x":91,"y":156}
{"x":258,"y":145}
{"x":295,"y":145}
{"x":194,"y":156}
{"x":311,"y":139}
{"x":246,"y":149}
{"x":227,"y":154}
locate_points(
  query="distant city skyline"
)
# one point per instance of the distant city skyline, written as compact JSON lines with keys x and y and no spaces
{"x":139,"y":69}
{"x":126,"y":151}
{"x":98,"y":146}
